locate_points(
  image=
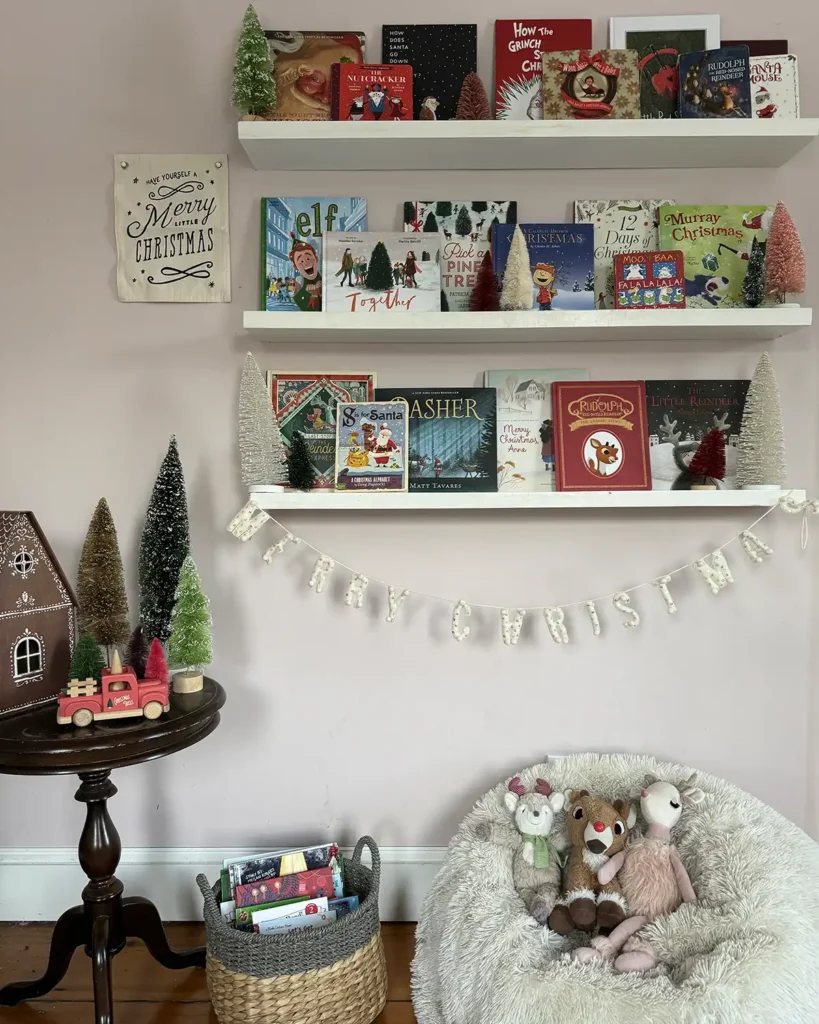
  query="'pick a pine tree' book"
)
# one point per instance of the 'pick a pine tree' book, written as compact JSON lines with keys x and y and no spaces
{"x":292,"y":231}
{"x":452,"y":437}
{"x":620,"y":225}
{"x":381,"y":272}
{"x":715,"y":83}
{"x":774,"y":86}
{"x":518,"y":65}
{"x":302,"y":70}
{"x":371,"y":446}
{"x":650,"y":280}
{"x":590,"y":85}
{"x":601,"y":442}
{"x":464,"y":227}
{"x":441,"y":56}
{"x":526,"y":444}
{"x":561,"y":257}
{"x":371,"y":92}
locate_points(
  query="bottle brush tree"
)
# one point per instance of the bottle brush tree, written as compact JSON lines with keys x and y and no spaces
{"x":444,"y":302}
{"x":473,"y":104}
{"x":87,"y":661}
{"x":261,"y":445}
{"x":301,"y":472}
{"x":430,"y":224}
{"x":785,"y":256}
{"x":137,"y":652}
{"x":517,"y":279}
{"x":753,"y":287}
{"x":191,"y":641}
{"x":484,"y":297}
{"x":101,"y":594}
{"x":157,"y":666}
{"x":463,"y":223}
{"x":761,"y":450}
{"x":708,"y":461}
{"x":379,"y":270}
{"x":254,"y":87}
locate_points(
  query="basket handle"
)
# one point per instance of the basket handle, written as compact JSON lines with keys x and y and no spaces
{"x":368,"y":841}
{"x":207,"y":894}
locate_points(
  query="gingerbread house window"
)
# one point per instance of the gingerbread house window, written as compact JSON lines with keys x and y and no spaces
{"x":27,"y":657}
{"x":23,"y":562}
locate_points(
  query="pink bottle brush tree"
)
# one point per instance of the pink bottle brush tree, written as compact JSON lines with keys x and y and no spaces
{"x":785,"y":257}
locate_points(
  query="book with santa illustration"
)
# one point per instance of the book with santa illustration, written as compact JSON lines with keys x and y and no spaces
{"x":441,"y":56}
{"x":302,"y":70}
{"x":775,"y":86}
{"x":650,"y":280}
{"x":371,"y":446}
{"x":371,"y":92}
{"x":381,"y":272}
{"x":561,"y":258}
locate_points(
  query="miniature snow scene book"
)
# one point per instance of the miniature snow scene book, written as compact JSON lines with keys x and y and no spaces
{"x":381,"y":272}
{"x":715,"y":83}
{"x":620,"y":225}
{"x":590,"y":85}
{"x":561,"y":258}
{"x":650,"y":280}
{"x":441,"y":56}
{"x":302,"y":70}
{"x":464,"y":227}
{"x":526,"y":441}
{"x":292,"y":230}
{"x":371,"y":92}
{"x":371,"y":446}
{"x":775,"y":86}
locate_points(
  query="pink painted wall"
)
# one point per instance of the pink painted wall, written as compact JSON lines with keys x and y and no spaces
{"x":336,"y":721}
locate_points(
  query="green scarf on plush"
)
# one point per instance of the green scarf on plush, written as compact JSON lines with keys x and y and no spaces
{"x":544,"y":849}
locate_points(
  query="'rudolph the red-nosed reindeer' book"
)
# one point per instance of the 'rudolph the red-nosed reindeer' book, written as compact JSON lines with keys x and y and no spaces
{"x":600,"y":435}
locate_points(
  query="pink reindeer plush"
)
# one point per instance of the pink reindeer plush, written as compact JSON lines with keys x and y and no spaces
{"x":652,"y":876}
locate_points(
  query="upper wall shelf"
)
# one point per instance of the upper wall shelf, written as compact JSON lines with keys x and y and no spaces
{"x":523,"y":145}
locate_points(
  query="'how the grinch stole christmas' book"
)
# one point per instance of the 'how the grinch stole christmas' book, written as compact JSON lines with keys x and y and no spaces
{"x":650,"y":280}
{"x":775,"y":86}
{"x":371,"y":92}
{"x":441,"y":56}
{"x":715,"y":83}
{"x":302,"y":70}
{"x":583,"y":84}
{"x":371,"y":446}
{"x":561,"y":259}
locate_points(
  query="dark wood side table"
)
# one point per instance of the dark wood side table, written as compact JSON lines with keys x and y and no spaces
{"x":32,"y":743}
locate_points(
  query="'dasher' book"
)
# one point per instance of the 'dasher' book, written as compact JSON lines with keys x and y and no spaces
{"x":371,"y":92}
{"x":526,"y":441}
{"x":371,"y":446}
{"x":441,"y":56}
{"x":292,"y":230}
{"x":452,"y":437}
{"x":519,"y":44}
{"x":715,"y":83}
{"x":464,"y":227}
{"x":601,"y":442}
{"x":650,"y":280}
{"x":381,"y":272}
{"x":620,"y":225}
{"x":561,"y":259}
{"x":591,"y":84}
{"x":302,"y":70}
{"x":774,"y":86}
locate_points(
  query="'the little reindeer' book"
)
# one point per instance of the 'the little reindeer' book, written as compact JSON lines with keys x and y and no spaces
{"x":371,"y":446}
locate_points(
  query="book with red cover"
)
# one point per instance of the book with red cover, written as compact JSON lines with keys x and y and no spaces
{"x":371,"y":92}
{"x":759,"y":47}
{"x":307,"y":884}
{"x":601,"y":442}
{"x":649,"y":280}
{"x":518,"y":65}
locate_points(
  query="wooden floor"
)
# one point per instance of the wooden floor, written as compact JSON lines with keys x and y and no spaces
{"x":144,"y":992}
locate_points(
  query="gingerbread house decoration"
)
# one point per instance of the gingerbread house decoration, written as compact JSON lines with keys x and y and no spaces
{"x":37,"y":615}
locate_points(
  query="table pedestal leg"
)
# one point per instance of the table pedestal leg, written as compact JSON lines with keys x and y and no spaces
{"x":69,"y":933}
{"x":142,"y":921}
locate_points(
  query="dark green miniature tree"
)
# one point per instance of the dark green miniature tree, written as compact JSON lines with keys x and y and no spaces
{"x":443,"y":209}
{"x":254,"y":88}
{"x":190,"y":643}
{"x":444,"y":302}
{"x":753,"y":287}
{"x":137,"y":652}
{"x":379,"y":270}
{"x":511,"y":214}
{"x":480,"y":206}
{"x":87,"y":661}
{"x":430,"y":224}
{"x":301,"y":473}
{"x":101,"y":594}
{"x":463,"y":222}
{"x":409,"y":211}
{"x":487,"y":448}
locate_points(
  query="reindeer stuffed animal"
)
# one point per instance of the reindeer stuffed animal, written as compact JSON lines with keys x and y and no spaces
{"x":653,"y":877}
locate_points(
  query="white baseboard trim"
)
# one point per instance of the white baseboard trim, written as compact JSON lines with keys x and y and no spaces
{"x":39,"y":884}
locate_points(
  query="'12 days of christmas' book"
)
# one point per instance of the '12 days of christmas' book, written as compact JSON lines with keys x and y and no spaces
{"x":588,"y":84}
{"x":775,"y":86}
{"x":650,"y":280}
{"x":381,"y":272}
{"x":371,"y":446}
{"x":441,"y":56}
{"x":715,"y":83}
{"x":302,"y":63}
{"x":371,"y":92}
{"x":561,"y":258}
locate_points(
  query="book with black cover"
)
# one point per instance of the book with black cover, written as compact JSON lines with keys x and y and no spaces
{"x":441,"y":56}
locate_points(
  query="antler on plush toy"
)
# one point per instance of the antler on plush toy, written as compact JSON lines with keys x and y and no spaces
{"x":542,"y":786}
{"x":517,"y":787}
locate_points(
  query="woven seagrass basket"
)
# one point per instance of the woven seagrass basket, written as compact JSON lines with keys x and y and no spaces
{"x":330,"y":975}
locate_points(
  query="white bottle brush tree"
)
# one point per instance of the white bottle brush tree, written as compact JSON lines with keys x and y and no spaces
{"x":190,"y":644}
{"x":761,"y":451}
{"x":261,"y":446}
{"x":517,"y":278}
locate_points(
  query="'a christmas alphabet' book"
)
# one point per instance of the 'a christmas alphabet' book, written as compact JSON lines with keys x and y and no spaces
{"x":715,"y":83}
{"x":650,"y":280}
{"x":775,"y":86}
{"x":292,"y":230}
{"x":371,"y":446}
{"x":302,"y":69}
{"x":441,"y":56}
{"x":381,"y":272}
{"x":583,"y":84}
{"x":561,"y":258}
{"x":464,"y":227}
{"x":371,"y":92}
{"x":601,"y":442}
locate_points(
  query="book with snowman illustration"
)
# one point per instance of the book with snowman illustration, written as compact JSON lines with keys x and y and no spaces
{"x":371,"y":446}
{"x":650,"y":280}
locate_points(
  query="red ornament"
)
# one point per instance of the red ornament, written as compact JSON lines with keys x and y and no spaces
{"x":473,"y":104}
{"x":709,"y":458}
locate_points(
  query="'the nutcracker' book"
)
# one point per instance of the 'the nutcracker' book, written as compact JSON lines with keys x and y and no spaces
{"x":561,"y":259}
{"x":583,"y":84}
{"x":302,"y":63}
{"x":601,"y":442}
{"x":441,"y":56}
{"x":381,"y":272}
{"x":775,"y":86}
{"x":371,"y":92}
{"x":371,"y":446}
{"x":715,"y":83}
{"x":650,"y":280}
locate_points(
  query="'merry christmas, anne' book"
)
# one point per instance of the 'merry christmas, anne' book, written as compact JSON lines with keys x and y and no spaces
{"x":561,"y":261}
{"x":302,"y":69}
{"x":381,"y":272}
{"x":371,"y":446}
{"x":441,"y":56}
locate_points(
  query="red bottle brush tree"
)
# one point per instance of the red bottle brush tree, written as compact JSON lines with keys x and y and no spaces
{"x":708,"y":462}
{"x":785,"y":256}
{"x":157,"y":666}
{"x":473,"y":104}
{"x":485,"y":297}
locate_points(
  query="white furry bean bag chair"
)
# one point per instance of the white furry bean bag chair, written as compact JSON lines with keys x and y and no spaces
{"x":746,"y":953}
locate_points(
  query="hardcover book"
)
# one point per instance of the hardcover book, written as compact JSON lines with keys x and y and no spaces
{"x":650,"y":280}
{"x":371,"y":446}
{"x":344,"y":905}
{"x":464,"y":228}
{"x":279,"y":911}
{"x":307,"y":402}
{"x":716,"y":243}
{"x":244,"y":915}
{"x":518,"y":65}
{"x":715,"y":83}
{"x":452,"y":437}
{"x":679,"y":413}
{"x":441,"y":56}
{"x":381,"y":272}
{"x":307,"y":884}
{"x":758,"y":47}
{"x":775,"y":86}
{"x":292,"y":231}
{"x":526,"y":443}
{"x":302,"y":69}
{"x":561,"y":257}
{"x":620,"y":225}
{"x":371,"y":92}
{"x":296,"y":924}
{"x":600,"y":436}
{"x":280,"y":862}
{"x":587,"y":85}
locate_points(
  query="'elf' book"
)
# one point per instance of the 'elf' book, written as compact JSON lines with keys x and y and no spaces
{"x":587,"y":85}
{"x":371,"y":92}
{"x":302,"y":63}
{"x":441,"y":56}
{"x":600,"y":436}
{"x":292,"y":230}
{"x":775,"y":86}
{"x":715,"y":83}
{"x":371,"y":446}
{"x":381,"y":272}
{"x":464,"y":228}
{"x":526,"y":442}
{"x":650,"y":280}
{"x":518,"y":65}
{"x":561,"y":257}
{"x":620,"y":225}
{"x":452,"y":437}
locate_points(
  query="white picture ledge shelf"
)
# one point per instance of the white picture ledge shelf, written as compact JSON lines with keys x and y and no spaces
{"x":764,"y":324}
{"x":323,"y":501}
{"x":524,"y":145}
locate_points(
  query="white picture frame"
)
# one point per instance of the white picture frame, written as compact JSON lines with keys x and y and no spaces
{"x":619,"y":27}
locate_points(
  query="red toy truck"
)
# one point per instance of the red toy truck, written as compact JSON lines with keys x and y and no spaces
{"x":119,"y":695}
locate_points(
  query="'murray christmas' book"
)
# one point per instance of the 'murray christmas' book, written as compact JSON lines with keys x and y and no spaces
{"x":381,"y":272}
{"x":441,"y":56}
{"x":650,"y":280}
{"x":715,"y":83}
{"x":452,"y":439}
{"x":292,"y":230}
{"x":561,"y":258}
{"x":590,"y":85}
{"x":302,"y":69}
{"x":775,"y":86}
{"x":371,"y":92}
{"x":371,"y":446}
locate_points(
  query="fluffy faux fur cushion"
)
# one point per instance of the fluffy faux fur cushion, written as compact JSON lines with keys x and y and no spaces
{"x":746,"y":953}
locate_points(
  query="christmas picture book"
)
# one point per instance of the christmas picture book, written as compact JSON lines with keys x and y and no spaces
{"x":715,"y":83}
{"x":775,"y":86}
{"x":255,"y":868}
{"x":758,"y":47}
{"x":371,"y":446}
{"x":601,"y":442}
{"x":620,"y":225}
{"x":371,"y":92}
{"x":519,"y":44}
{"x":464,"y":227}
{"x":561,"y":258}
{"x":441,"y":56}
{"x":650,"y":280}
{"x":302,"y":69}
{"x":452,"y":437}
{"x":381,"y":272}
{"x":591,"y":84}
{"x":526,"y":448}
{"x":292,"y":231}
